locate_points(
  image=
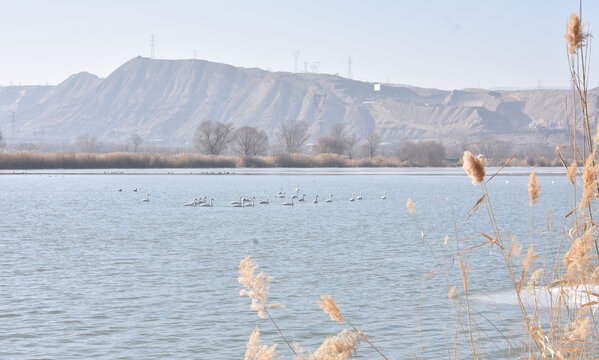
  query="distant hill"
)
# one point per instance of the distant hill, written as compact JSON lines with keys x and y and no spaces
{"x":165,"y":100}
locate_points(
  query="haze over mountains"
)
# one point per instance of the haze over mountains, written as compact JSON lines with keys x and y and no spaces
{"x":165,"y":100}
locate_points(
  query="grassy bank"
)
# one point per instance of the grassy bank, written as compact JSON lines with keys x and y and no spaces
{"x":27,"y":160}
{"x":126,"y":160}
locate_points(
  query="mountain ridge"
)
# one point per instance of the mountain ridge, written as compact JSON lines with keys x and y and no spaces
{"x":167,"y":99}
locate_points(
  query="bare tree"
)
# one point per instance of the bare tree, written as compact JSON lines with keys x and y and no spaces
{"x":249,"y":141}
{"x":427,"y":153}
{"x":349,"y":144}
{"x":372,"y":144}
{"x":330,"y":144}
{"x":2,"y":142}
{"x":293,"y":135}
{"x":86,"y":143}
{"x":212,"y":138}
{"x":136,"y":140}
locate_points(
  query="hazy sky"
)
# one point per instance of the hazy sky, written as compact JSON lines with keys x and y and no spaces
{"x":444,"y":44}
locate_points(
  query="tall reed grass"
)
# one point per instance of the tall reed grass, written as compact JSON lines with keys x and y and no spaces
{"x":566,"y":275}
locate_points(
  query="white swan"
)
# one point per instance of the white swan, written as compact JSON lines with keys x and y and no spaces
{"x":384,"y":197}
{"x":303,"y":198}
{"x":297,"y":189}
{"x":280,"y":191}
{"x":330,"y":199}
{"x":281,"y":195}
{"x":315,"y":201}
{"x":208,"y":205}
{"x":237,"y":203}
{"x":146,"y":199}
{"x":264,"y":202}
{"x":359,"y":197}
{"x":191,"y":203}
{"x":288,"y":204}
{"x":352,"y":197}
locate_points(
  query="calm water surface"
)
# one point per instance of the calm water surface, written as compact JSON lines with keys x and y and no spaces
{"x":90,"y":272}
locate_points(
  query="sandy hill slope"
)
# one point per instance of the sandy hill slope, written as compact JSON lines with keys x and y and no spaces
{"x":165,"y":100}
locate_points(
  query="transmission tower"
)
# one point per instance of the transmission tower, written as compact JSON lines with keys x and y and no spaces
{"x":296,"y":54}
{"x":152,"y":44}
{"x":305,"y":66}
{"x":349,"y":72}
{"x":315,"y":66}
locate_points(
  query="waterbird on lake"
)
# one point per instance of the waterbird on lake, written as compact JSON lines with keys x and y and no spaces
{"x":384,"y":197}
{"x":208,"y":205}
{"x":315,"y":201}
{"x":352,"y":197}
{"x":330,"y":199}
{"x":191,"y":203}
{"x":264,"y":202}
{"x":359,"y":197}
{"x":146,"y":199}
{"x":288,"y":204}
{"x":280,"y":191}
{"x":303,"y":198}
{"x":297,"y":189}
{"x":281,"y":196}
{"x":135,"y":189}
{"x":233,"y":203}
{"x":121,"y":189}
{"x":239,"y":203}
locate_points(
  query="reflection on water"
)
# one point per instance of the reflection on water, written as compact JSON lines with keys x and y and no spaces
{"x":88,"y":271}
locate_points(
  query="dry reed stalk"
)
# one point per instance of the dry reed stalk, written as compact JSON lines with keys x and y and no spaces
{"x":451,"y":292}
{"x":533,"y":188}
{"x":255,"y":351}
{"x":473,"y":167}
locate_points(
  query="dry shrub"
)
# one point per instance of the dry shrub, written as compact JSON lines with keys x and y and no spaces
{"x":330,"y":160}
{"x":255,"y":162}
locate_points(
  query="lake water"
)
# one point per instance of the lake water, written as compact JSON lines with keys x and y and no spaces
{"x":87,"y":271}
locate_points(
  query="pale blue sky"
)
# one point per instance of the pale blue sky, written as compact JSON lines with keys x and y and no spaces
{"x":443,"y":44}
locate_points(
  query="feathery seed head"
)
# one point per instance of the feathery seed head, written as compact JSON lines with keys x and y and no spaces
{"x":574,"y":35}
{"x":256,"y":286}
{"x":571,"y":172}
{"x":533,"y":188}
{"x":255,"y":351}
{"x":473,"y":167}
{"x":330,"y":307}
{"x":411,"y":206}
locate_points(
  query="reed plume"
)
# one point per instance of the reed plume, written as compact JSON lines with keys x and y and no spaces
{"x":574,"y":35}
{"x":330,"y":307}
{"x":339,"y":347}
{"x":533,"y":188}
{"x":411,"y":206}
{"x":473,"y":167}
{"x":255,"y":351}
{"x":589,"y":180}
{"x":256,"y":286}
{"x":571,"y":172}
